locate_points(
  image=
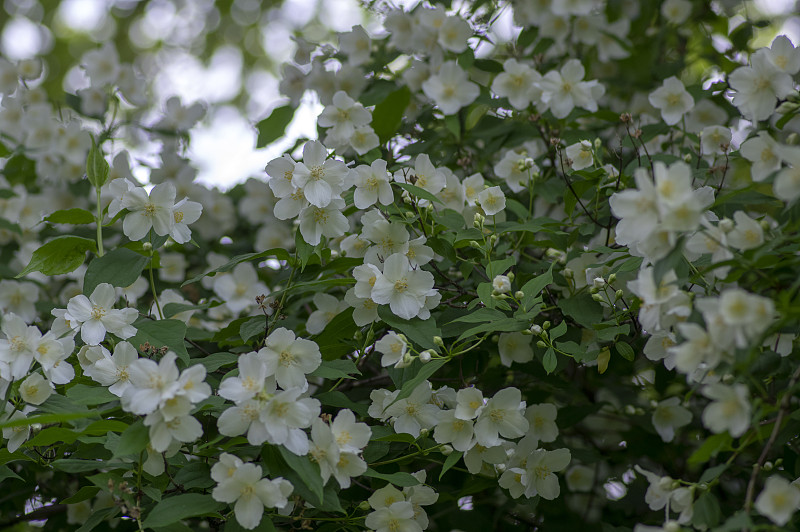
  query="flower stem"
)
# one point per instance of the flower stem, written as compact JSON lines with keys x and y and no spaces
{"x":100,"y":252}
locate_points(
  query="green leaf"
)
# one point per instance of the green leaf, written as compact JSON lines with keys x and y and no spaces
{"x":278,"y":253}
{"x":194,"y":475}
{"x":713,"y":445}
{"x":398,"y":479}
{"x":388,"y":115}
{"x":558,"y":331}
{"x":63,"y":254}
{"x":549,"y":361}
{"x":306,"y":469}
{"x":340,"y":400}
{"x":52,"y":435}
{"x":90,"y":395}
{"x":216,"y":360}
{"x":333,"y":341}
{"x":179,"y":507}
{"x":253,"y":327}
{"x":335,"y":369}
{"x":419,"y":192}
{"x":425,"y":372}
{"x":119,"y":267}
{"x":10,"y":226}
{"x":501,"y":325}
{"x":71,"y":216}
{"x":712,"y":473}
{"x":707,"y":512}
{"x":272,"y":128}
{"x":451,"y":460}
{"x":624,"y":349}
{"x":98,"y":517}
{"x":6,"y":473}
{"x":583,"y":309}
{"x":303,"y":249}
{"x":417,"y":330}
{"x":232,"y":525}
{"x":532,"y":288}
{"x":96,"y":166}
{"x":44,"y":419}
{"x":83,"y":494}
{"x":160,"y":333}
{"x":74,"y":465}
{"x":133,"y":441}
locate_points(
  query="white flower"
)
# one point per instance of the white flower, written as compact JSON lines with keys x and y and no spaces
{"x":350,"y":436}
{"x":450,"y":88}
{"x":580,"y":155}
{"x":250,"y":381}
{"x":580,"y":478}
{"x":715,"y":140}
{"x":414,"y":412}
{"x":328,"y":307}
{"x":281,"y":173}
{"x":453,"y":34}
{"x":676,"y":11}
{"x":283,"y":417}
{"x":779,"y":500}
{"x":96,"y":315}
{"x":238,"y":290}
{"x":501,"y":284}
{"x":402,"y":288}
{"x":783,"y":54}
{"x":492,"y":200}
{"x":178,"y":425}
{"x":759,"y":86}
{"x":173,"y":267}
{"x":372,"y":185}
{"x":152,"y":384}
{"x":316,"y":222}
{"x":540,"y":468}
{"x":668,"y":416}
{"x":18,"y":348}
{"x":514,"y":347}
{"x":468,"y":403}
{"x":149,"y":211}
{"x":16,"y":436}
{"x":393,"y":347}
{"x":35,"y":389}
{"x":747,"y":234}
{"x":399,"y":517}
{"x":184,"y":213}
{"x":672,"y":100}
{"x":320,"y":178}
{"x":787,"y":182}
{"x":542,"y":419}
{"x":453,"y":430}
{"x":289,"y":358}
{"x":344,"y":115}
{"x":564,"y":90}
{"x":501,"y":416}
{"x":365,"y":310}
{"x":113,"y":371}
{"x":19,"y":298}
{"x":102,"y":65}
{"x":763,"y":152}
{"x":252,"y":493}
{"x":323,"y":448}
{"x":729,"y":411}
{"x":517,"y":82}
{"x":356,"y":45}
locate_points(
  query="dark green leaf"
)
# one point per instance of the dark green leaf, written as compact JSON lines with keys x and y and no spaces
{"x":83,"y":494}
{"x":96,"y":166}
{"x":278,"y":253}
{"x":90,"y":395}
{"x":119,"y":267}
{"x":272,"y":128}
{"x":335,"y":369}
{"x":306,"y":469}
{"x":160,"y":333}
{"x":97,"y":517}
{"x":583,"y":309}
{"x":532,"y":288}
{"x":6,"y":473}
{"x":180,"y":507}
{"x":451,"y":460}
{"x":398,"y":479}
{"x":417,"y":330}
{"x":388,"y":115}
{"x":549,"y":360}
{"x":425,"y":373}
{"x":624,"y":349}
{"x":63,"y":254}
{"x":133,"y":441}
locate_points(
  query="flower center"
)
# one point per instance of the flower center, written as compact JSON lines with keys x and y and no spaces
{"x":317,"y":173}
{"x":98,"y":312}
{"x":178,"y":217}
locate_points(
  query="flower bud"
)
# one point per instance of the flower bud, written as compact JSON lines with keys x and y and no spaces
{"x":147,"y":246}
{"x":501,"y":283}
{"x":546,"y":325}
{"x":475,"y":244}
{"x":672,"y":526}
{"x":519,"y":294}
{"x":687,"y":158}
{"x":767,"y":466}
{"x":493,"y":239}
{"x":598,"y":297}
{"x":725,"y":225}
{"x":425,"y":356}
{"x":541,"y":344}
{"x":446,"y":450}
{"x":364,"y":505}
{"x":526,"y":332}
{"x":510,"y":276}
{"x":568,"y":273}
{"x":598,"y":143}
{"x":630,"y":410}
{"x":438,"y":342}
{"x":495,"y":338}
{"x":423,"y":433}
{"x":612,"y":278}
{"x":618,"y":295}
{"x":536,"y":329}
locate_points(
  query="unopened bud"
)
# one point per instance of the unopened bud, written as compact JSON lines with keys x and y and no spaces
{"x":687,"y":158}
{"x":764,"y":225}
{"x":493,"y":239}
{"x":541,"y":344}
{"x":425,"y":356}
{"x":546,"y":325}
{"x":672,"y":526}
{"x":526,"y":332}
{"x":725,"y":225}
{"x":536,"y":329}
{"x":475,"y":244}
{"x":598,"y":282}
{"x":598,"y":297}
{"x":630,"y":410}
{"x":446,"y":450}
{"x":147,"y":246}
{"x":438,"y":342}
{"x":423,"y":433}
{"x":364,"y":505}
{"x":510,"y":276}
{"x":495,"y":338}
{"x":519,"y":294}
{"x":767,"y":466}
{"x":568,"y":273}
{"x":598,"y":143}
{"x":618,"y":295}
{"x":612,"y":278}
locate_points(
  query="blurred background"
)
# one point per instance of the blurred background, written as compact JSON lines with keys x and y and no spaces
{"x":226,"y":53}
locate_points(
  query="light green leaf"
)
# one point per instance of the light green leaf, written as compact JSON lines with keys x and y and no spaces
{"x":96,"y":166}
{"x":63,"y":254}
{"x":549,"y":361}
{"x":71,"y":216}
